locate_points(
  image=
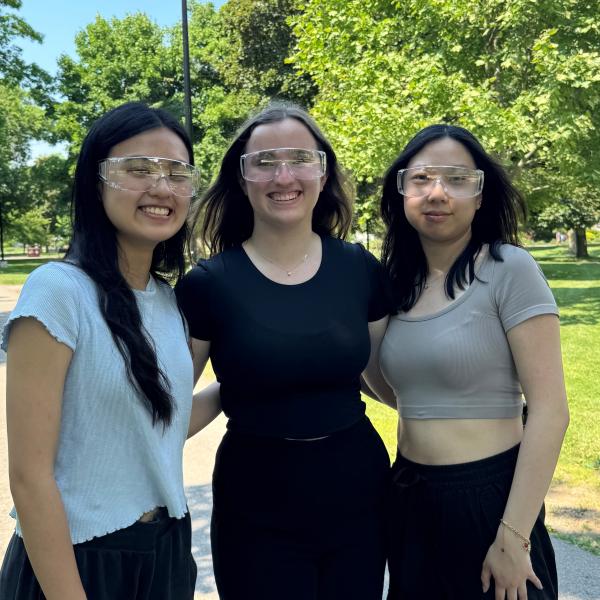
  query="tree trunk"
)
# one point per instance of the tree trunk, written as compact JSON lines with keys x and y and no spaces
{"x":578,"y":243}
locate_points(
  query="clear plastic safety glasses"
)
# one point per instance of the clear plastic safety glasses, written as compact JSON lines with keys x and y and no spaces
{"x":265,"y":165}
{"x":457,"y":182}
{"x":142,"y":173}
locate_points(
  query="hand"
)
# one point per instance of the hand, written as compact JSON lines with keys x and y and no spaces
{"x":510,"y":566}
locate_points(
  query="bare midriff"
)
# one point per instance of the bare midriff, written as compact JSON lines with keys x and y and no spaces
{"x":149,"y":516}
{"x":455,"y":441}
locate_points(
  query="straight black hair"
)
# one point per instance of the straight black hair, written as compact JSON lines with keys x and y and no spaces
{"x":94,"y":249}
{"x":495,"y":223}
{"x":228,"y":219}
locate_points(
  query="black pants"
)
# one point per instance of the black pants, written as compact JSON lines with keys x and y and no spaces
{"x":300,"y":520}
{"x":443,"y":521}
{"x":146,"y":561}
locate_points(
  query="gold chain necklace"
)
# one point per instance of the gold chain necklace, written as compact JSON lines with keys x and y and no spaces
{"x":288,"y":272}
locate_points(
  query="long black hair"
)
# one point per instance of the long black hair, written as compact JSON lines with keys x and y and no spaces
{"x":228,"y":219}
{"x":495,"y":223}
{"x":94,"y":249}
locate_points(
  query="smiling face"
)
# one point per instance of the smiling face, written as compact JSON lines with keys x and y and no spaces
{"x":144,"y":219}
{"x":437,"y":216}
{"x":286,"y":200}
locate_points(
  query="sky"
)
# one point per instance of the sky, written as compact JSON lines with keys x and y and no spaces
{"x":60,"y":20}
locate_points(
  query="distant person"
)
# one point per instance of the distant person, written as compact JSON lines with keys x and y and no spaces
{"x":99,"y":380}
{"x":477,"y":326}
{"x":290,"y":314}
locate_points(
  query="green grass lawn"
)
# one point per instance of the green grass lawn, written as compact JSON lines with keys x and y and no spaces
{"x":19,"y":267}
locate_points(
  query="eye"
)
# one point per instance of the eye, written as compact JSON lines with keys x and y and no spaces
{"x":419,"y":177}
{"x":303,"y":156}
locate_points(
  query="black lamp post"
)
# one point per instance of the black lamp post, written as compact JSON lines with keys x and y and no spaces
{"x":1,"y":236}
{"x":187,"y":94}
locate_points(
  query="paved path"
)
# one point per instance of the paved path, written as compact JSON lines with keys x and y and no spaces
{"x":579,"y":571}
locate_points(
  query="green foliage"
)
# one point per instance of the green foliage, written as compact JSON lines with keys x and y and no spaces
{"x":523,"y":76}
{"x":259,"y":40}
{"x":30,"y":227}
{"x":118,"y":60}
{"x":570,"y":214}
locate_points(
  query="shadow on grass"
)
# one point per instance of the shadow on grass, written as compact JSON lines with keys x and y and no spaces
{"x":578,"y":306}
{"x":571,"y":271}
{"x":24,"y":266}
{"x":199,"y":499}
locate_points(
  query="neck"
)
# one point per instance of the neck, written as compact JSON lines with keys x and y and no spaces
{"x":441,"y":256}
{"x":134,"y":264}
{"x":283,"y":246}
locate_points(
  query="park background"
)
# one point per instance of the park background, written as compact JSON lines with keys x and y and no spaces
{"x":523,"y":75}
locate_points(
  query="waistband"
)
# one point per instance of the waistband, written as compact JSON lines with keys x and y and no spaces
{"x":406,"y":473}
{"x":283,"y":442}
{"x":141,"y":536}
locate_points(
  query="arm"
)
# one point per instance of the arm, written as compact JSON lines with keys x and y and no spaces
{"x":375,"y":383}
{"x":535,"y":345}
{"x":36,"y":370}
{"x":206,"y":404}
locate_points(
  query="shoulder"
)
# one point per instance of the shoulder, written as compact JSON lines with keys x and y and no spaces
{"x":350,"y":250}
{"x":57,"y":282}
{"x":516,"y":261}
{"x":198,"y":284}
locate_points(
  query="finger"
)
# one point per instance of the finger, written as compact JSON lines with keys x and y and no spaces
{"x":485,"y":578}
{"x":535,"y":580}
{"x":500,"y":592}
{"x":523,"y":591}
{"x":512,"y":594}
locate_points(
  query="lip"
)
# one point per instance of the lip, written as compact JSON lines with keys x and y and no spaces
{"x":436,"y":216}
{"x":156,"y":216}
{"x":287,"y":197}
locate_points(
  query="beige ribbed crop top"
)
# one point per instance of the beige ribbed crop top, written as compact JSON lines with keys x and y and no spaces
{"x":457,"y":363}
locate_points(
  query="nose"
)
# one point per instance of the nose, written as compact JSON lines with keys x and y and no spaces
{"x":161,"y":186}
{"x":282,"y":174}
{"x":438,"y":190}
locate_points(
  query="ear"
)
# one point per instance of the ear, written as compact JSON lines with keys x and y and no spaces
{"x":479,"y":200}
{"x":323,"y":182}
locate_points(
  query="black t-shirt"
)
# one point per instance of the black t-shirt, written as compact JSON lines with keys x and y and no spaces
{"x":288,"y":357}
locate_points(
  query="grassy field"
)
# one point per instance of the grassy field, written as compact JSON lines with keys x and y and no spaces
{"x":19,"y":267}
{"x":574,"y":500}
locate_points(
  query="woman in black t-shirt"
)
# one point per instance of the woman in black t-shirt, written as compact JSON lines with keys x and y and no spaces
{"x":290,"y":316}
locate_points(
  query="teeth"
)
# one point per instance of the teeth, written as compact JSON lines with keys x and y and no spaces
{"x":283,"y":197}
{"x":156,"y":210}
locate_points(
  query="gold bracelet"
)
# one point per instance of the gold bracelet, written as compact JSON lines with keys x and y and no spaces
{"x":526,"y":541}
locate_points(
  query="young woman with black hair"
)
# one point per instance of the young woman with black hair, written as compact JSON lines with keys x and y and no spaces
{"x":477,"y":327}
{"x":288,"y":313}
{"x":100,"y":379}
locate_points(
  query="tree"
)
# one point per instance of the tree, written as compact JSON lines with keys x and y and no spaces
{"x":118,"y":60}
{"x":523,"y":76}
{"x":21,"y":119}
{"x":259,"y":41}
{"x":574,"y":214}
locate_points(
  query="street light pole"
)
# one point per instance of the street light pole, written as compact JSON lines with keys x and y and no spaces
{"x":1,"y":237}
{"x":187,"y":94}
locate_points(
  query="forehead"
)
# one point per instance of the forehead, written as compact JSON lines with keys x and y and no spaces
{"x":288,"y":133}
{"x":155,"y":142}
{"x":445,"y":151}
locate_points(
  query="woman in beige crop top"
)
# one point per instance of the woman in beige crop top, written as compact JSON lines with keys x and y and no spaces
{"x":476,"y":330}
